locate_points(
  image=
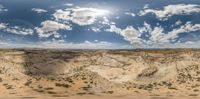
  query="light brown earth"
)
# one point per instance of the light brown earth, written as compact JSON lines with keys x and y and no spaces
{"x":97,"y":74}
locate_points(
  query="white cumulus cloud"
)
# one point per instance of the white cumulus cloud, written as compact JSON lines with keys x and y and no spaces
{"x":49,"y":27}
{"x":3,"y":26}
{"x":156,"y":35}
{"x":170,"y":10}
{"x":132,"y":35}
{"x":80,"y":16}
{"x":187,"y":28}
{"x":129,"y":33}
{"x":159,"y":36}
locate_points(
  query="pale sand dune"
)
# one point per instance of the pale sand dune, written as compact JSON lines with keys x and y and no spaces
{"x":89,"y":74}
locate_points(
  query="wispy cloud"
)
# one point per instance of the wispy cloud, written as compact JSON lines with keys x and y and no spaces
{"x":38,"y":10}
{"x":2,"y":8}
{"x":69,"y":4}
{"x":15,"y":29}
{"x":130,"y":14}
{"x":68,"y":45}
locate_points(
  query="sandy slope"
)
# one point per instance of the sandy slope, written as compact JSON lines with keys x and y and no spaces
{"x":94,"y":74}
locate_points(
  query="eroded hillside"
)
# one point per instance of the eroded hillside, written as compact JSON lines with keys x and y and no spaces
{"x":59,"y":73}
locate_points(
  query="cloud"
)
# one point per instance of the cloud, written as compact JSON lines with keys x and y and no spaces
{"x":178,"y":23}
{"x":129,"y":33}
{"x":106,"y":21}
{"x":189,"y":42}
{"x":62,"y":15}
{"x":146,"y":28}
{"x":80,"y":16}
{"x":19,"y":30}
{"x":159,"y":36}
{"x":95,"y":29}
{"x":146,"y":6}
{"x":15,"y":29}
{"x":113,"y":28}
{"x":146,"y":35}
{"x":93,"y":45}
{"x":49,"y":28}
{"x":86,"y":45}
{"x":69,"y":4}
{"x":2,"y":8}
{"x":170,"y":10}
{"x":156,"y":35}
{"x":187,"y":28}
{"x":67,"y":45}
{"x":62,"y":18}
{"x":38,"y":10}
{"x":130,"y":14}
{"x":3,"y":26}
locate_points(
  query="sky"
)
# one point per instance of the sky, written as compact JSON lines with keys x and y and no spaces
{"x":99,"y":24}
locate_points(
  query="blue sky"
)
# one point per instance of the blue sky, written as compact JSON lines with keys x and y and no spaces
{"x":98,"y":24}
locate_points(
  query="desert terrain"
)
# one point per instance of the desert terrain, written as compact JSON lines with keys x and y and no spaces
{"x":97,"y":74}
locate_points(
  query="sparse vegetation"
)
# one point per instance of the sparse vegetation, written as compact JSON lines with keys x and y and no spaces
{"x":65,"y":73}
{"x":51,"y":92}
{"x":62,"y":85}
{"x":49,"y":88}
{"x":193,"y":94}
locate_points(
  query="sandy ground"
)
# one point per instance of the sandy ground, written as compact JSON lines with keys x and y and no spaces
{"x":99,"y":97}
{"x":89,"y":74}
